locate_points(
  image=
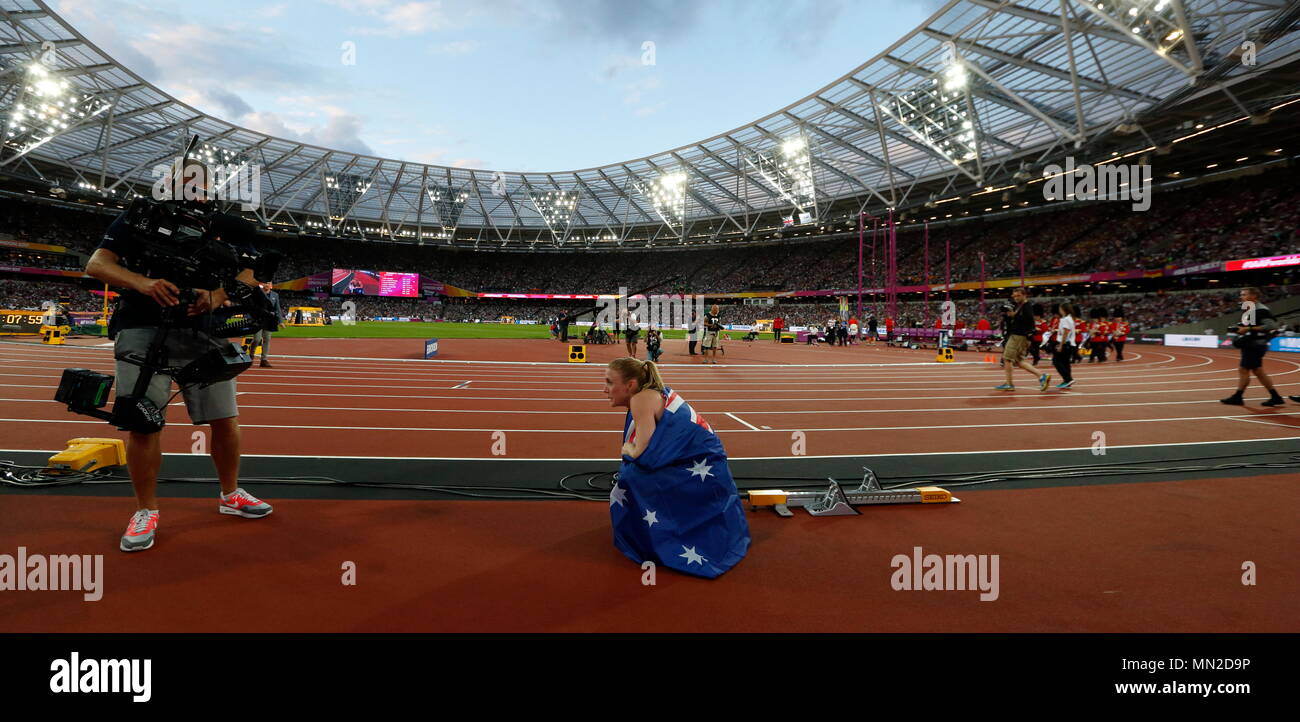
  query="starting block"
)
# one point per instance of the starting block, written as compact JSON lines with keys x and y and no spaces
{"x":89,"y":455}
{"x":945,"y":356}
{"x":836,"y":501}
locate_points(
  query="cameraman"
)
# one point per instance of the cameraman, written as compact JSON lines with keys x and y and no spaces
{"x":1253,"y":341}
{"x":1019,"y":325}
{"x":118,"y":262}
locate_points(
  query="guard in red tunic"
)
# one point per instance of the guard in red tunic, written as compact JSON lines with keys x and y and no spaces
{"x":1119,"y":335}
{"x":1097,"y":337}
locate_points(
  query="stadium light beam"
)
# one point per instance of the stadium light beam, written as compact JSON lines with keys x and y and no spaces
{"x":788,"y":170}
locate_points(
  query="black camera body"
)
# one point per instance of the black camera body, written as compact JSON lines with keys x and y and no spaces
{"x":188,"y":244}
{"x":183,"y":242}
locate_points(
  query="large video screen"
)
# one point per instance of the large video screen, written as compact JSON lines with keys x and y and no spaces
{"x":351,"y":282}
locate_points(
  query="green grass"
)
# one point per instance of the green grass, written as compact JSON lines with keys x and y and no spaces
{"x":397,"y":329}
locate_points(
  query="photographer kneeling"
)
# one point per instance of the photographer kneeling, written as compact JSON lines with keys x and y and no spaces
{"x":119,"y":261}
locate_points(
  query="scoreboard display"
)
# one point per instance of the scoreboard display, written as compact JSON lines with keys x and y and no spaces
{"x":20,"y":322}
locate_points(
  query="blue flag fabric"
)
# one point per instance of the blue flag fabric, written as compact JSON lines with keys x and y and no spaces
{"x":676,"y":505}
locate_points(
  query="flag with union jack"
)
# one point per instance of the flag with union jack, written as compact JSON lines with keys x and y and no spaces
{"x":676,"y":504}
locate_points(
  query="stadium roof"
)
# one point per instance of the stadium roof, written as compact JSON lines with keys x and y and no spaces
{"x":984,"y":92}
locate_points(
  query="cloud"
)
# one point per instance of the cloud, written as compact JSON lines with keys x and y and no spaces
{"x":394,"y":18}
{"x":457,"y":47}
{"x":341,"y":131}
{"x":620,"y":21}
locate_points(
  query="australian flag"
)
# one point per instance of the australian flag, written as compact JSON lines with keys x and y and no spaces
{"x":676,"y":504}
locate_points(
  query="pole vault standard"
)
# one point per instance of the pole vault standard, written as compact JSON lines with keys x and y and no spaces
{"x":927,"y":274}
{"x":1022,"y":264}
{"x":981,"y":284}
{"x":891,"y":268}
{"x":862,"y":218}
{"x":875,"y":269}
{"x":947,"y":269}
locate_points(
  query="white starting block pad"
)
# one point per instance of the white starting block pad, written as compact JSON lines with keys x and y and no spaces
{"x":836,"y":501}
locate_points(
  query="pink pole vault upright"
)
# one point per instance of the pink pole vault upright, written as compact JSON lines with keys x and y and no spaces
{"x":927,"y":274}
{"x":875,"y":268}
{"x":947,"y":269}
{"x":981,"y":284}
{"x":862,"y":217}
{"x":1022,"y":264}
{"x":893,"y":253}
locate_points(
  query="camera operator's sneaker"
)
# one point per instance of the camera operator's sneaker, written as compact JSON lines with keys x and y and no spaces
{"x":241,"y":503}
{"x":266,"y":364}
{"x":140,"y":532}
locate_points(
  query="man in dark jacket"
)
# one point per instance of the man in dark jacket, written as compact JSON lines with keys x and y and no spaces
{"x":1255,"y":330}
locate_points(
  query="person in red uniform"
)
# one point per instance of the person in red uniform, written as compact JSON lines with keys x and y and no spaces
{"x":889,"y":329}
{"x":1080,"y":335}
{"x":1100,"y":336}
{"x":1036,"y":340}
{"x":1119,"y":335}
{"x":778,"y":324}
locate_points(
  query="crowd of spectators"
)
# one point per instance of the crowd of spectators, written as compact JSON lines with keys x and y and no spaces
{"x":1240,"y":218}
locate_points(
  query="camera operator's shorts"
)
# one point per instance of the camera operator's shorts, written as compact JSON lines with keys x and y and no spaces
{"x":711,"y":339}
{"x":1252,"y":355}
{"x":1015,"y":349}
{"x":206,"y":404}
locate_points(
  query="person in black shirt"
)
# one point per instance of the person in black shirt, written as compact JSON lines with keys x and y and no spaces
{"x":1019,"y":327}
{"x":1253,"y":341}
{"x":139,"y":315}
{"x":712,"y":334}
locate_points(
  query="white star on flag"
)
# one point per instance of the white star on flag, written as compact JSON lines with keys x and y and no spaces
{"x":692,"y":557}
{"x":702,"y":469}
{"x":617,"y":495}
{"x":650,"y":518}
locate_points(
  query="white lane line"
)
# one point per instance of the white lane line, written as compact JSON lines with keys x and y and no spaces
{"x":719,"y":431}
{"x":764,"y":399}
{"x":759,"y":412}
{"x":1269,"y":423}
{"x":733,"y":458}
{"x":746,"y":423}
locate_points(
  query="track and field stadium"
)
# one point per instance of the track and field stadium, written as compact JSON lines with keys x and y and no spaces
{"x":1020,"y":286}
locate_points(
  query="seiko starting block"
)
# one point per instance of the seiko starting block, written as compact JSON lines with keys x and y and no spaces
{"x":837,"y":501}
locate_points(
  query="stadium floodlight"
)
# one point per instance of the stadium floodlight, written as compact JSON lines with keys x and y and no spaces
{"x":557,"y":209}
{"x":667,"y":195}
{"x":939,"y":112}
{"x":788,"y":170}
{"x":1159,"y":25}
{"x":45,"y":106}
{"x":448,"y":203}
{"x":342,"y":192}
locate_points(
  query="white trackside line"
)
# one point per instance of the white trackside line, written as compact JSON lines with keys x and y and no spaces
{"x":1075,"y":392}
{"x":733,"y":458}
{"x":1260,"y":421}
{"x":719,"y":431}
{"x":746,"y":423}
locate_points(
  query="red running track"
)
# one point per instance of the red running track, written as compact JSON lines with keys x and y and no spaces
{"x":363,"y":397}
